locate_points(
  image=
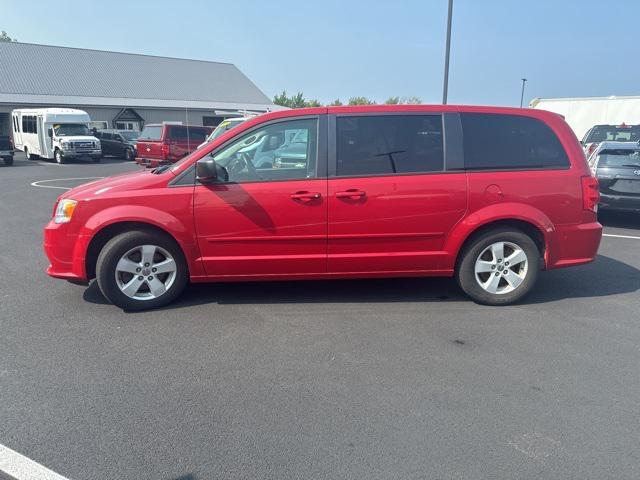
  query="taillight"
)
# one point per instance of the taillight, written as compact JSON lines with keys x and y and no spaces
{"x":165,"y":150}
{"x":592,"y":147}
{"x":590,"y":193}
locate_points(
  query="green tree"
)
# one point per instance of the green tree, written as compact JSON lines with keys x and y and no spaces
{"x":336,"y":103}
{"x":294,"y":101}
{"x":360,"y":101}
{"x":4,"y":37}
{"x":392,"y":101}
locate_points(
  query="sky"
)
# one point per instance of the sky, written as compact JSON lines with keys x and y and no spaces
{"x":332,"y":49}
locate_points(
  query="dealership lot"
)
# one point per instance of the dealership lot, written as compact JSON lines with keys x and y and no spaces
{"x":346,"y":379}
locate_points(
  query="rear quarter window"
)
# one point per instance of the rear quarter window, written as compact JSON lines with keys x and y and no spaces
{"x":499,"y":142}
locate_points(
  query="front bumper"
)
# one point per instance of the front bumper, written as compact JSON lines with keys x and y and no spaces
{"x":84,"y":154}
{"x":65,"y":251}
{"x":620,"y":202}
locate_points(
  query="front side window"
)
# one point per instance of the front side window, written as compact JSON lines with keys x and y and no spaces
{"x":389,"y":144}
{"x":279,"y":151}
{"x":494,"y":142}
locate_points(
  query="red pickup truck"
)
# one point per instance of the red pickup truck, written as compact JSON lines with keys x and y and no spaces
{"x":167,"y":143}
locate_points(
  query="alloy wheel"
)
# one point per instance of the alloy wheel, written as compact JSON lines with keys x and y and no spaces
{"x":501,"y":268}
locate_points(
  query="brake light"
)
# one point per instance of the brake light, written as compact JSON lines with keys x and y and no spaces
{"x":165,"y":151}
{"x":590,"y":193}
{"x":591,"y":148}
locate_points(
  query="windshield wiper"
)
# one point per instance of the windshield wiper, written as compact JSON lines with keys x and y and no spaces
{"x":160,"y":169}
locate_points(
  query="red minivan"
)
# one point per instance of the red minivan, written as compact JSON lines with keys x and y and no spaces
{"x":163,"y":143}
{"x":488,"y":195}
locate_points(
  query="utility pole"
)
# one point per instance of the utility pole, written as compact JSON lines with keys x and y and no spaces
{"x":445,"y":88}
{"x":524,"y":80}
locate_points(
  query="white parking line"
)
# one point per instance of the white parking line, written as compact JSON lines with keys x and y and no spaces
{"x":37,"y":184}
{"x":620,"y":236}
{"x":23,"y":468}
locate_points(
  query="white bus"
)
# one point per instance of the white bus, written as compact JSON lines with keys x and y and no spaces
{"x":54,"y":133}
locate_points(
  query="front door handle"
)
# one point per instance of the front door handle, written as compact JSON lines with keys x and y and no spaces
{"x":305,"y":196}
{"x":352,"y":193}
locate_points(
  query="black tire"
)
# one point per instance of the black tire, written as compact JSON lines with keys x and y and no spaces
{"x":128,"y":154}
{"x":8,"y":161}
{"x":119,"y":246}
{"x":466,"y":275}
{"x":59,"y":157}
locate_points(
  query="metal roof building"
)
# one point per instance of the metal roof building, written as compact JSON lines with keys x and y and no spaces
{"x":123,"y":90}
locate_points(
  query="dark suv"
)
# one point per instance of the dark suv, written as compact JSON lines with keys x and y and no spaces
{"x":118,"y":143}
{"x":617,"y":166}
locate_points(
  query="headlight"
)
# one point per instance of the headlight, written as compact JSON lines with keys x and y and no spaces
{"x":64,"y":210}
{"x":65,"y":144}
{"x":96,"y":144}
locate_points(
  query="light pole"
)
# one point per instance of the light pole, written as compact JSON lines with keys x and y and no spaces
{"x":524,"y":80}
{"x":445,"y":88}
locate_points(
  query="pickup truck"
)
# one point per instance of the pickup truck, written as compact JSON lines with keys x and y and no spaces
{"x":6,"y":150}
{"x":160,"y":144}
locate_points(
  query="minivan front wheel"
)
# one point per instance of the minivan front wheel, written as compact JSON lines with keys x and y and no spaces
{"x":141,"y":270}
{"x":500,"y":267}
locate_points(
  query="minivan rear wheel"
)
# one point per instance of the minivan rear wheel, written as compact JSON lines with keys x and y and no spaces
{"x":499,"y":267}
{"x":141,"y":270}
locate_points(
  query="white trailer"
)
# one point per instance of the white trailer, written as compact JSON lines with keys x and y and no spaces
{"x":583,"y":113}
{"x":54,"y":133}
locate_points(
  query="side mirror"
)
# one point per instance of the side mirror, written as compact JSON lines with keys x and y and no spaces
{"x":50,"y":133}
{"x":206,"y":170}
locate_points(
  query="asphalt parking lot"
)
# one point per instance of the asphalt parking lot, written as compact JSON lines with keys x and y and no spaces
{"x":348,"y":379}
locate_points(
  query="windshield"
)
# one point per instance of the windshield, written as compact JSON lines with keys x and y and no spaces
{"x":223,"y":128}
{"x":603,"y":133}
{"x":619,"y":158}
{"x":130,"y":134}
{"x":71,"y":129}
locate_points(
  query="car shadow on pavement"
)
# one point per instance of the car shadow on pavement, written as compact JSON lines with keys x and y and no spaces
{"x":630,"y":220}
{"x":606,"y":276}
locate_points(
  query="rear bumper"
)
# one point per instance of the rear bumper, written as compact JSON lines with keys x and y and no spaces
{"x":574,"y":245}
{"x":65,"y":252}
{"x":620,"y":202}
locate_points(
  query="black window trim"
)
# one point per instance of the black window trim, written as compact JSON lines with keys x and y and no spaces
{"x":321,"y":153}
{"x":450,"y":153}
